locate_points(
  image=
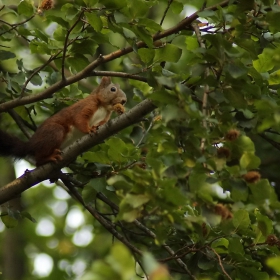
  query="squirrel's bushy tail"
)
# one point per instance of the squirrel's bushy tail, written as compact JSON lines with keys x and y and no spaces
{"x":13,"y":146}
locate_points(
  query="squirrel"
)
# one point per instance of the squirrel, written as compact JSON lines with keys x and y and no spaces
{"x":65,"y":127}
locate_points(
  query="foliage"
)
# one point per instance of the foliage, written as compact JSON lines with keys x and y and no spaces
{"x":191,"y":191}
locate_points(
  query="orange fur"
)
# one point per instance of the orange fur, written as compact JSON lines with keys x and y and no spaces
{"x":63,"y":128}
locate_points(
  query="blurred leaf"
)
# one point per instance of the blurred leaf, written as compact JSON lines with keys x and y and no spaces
{"x":4,"y":55}
{"x":249,"y":161}
{"x":273,"y":262}
{"x":9,"y":221}
{"x":136,"y":200}
{"x":25,"y":8}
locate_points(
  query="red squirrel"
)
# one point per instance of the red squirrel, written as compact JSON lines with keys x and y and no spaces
{"x":66,"y":126}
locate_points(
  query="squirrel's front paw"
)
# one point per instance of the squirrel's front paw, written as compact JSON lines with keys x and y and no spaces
{"x":93,"y":129}
{"x":119,"y":108}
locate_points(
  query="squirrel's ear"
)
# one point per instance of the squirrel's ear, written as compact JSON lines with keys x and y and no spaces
{"x":105,"y":81}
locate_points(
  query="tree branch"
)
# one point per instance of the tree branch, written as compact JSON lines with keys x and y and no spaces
{"x":50,"y":170}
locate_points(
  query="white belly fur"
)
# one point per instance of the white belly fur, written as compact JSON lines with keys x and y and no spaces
{"x":74,"y":134}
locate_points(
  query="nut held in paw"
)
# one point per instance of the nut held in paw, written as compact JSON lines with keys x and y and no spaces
{"x":119,"y":108}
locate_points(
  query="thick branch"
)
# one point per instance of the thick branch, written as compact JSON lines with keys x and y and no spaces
{"x":50,"y":170}
{"x":101,"y":60}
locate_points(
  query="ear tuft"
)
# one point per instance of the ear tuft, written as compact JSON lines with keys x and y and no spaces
{"x":105,"y":81}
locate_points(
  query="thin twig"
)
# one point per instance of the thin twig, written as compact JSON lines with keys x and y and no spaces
{"x":66,"y":44}
{"x":206,"y":87}
{"x":220,"y":262}
{"x":165,"y":12}
{"x":105,"y":223}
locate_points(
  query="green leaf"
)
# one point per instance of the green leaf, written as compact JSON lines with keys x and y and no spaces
{"x":70,"y":11}
{"x":272,"y":19}
{"x":114,"y":4}
{"x":177,"y":7}
{"x":95,"y":21}
{"x":264,"y":224}
{"x":149,"y":24}
{"x":261,"y":191}
{"x":39,"y":47}
{"x":136,"y":200}
{"x":191,"y":43}
{"x":9,"y":221}
{"x":85,"y":47}
{"x":173,"y":195}
{"x":4,"y":55}
{"x":58,"y":20}
{"x":146,"y":55}
{"x":78,"y":62}
{"x":249,"y":161}
{"x":138,"y":8}
{"x":27,"y":215}
{"x":274,"y":263}
{"x":99,"y":184}
{"x":59,"y":34}
{"x":90,"y":191}
{"x":117,"y":149}
{"x":274,"y":78}
{"x":220,"y":245}
{"x":25,"y":8}
{"x":36,"y":80}
{"x":235,"y":246}
{"x":97,"y":156}
{"x":169,"y":53}
{"x":241,"y":219}
{"x":91,"y":3}
{"x":264,"y":62}
{"x":143,"y":35}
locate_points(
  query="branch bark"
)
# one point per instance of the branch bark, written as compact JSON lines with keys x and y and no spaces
{"x":50,"y":170}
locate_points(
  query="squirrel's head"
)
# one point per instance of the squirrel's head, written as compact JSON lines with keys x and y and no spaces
{"x":109,"y":93}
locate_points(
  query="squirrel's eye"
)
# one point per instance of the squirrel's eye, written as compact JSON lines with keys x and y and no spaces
{"x":113,"y":89}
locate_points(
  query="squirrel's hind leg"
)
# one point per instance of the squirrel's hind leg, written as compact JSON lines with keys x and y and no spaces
{"x":46,"y":143}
